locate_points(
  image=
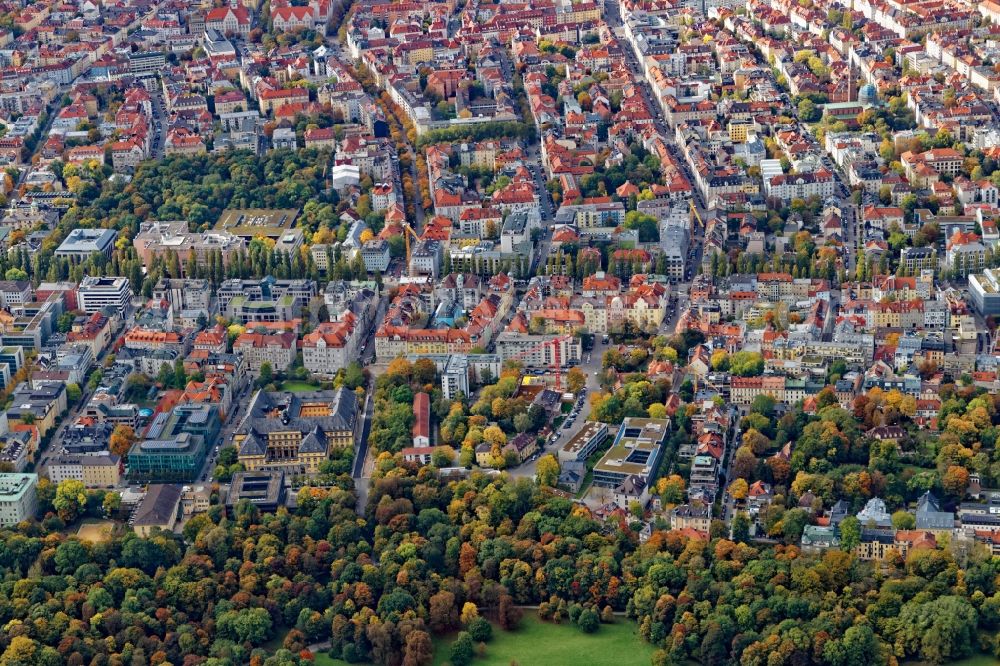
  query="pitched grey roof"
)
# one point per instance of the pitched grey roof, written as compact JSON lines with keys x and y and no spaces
{"x":159,"y":505}
{"x":930,"y":516}
{"x":314,"y":442}
{"x":633,"y":485}
{"x":253,"y":445}
{"x":343,"y":412}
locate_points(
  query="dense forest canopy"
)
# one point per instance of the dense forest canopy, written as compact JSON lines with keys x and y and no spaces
{"x":378,"y":586}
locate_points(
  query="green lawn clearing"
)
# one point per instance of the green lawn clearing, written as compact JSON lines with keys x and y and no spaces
{"x":977,"y":660}
{"x":543,"y":643}
{"x":537,"y":642}
{"x":298,"y":387}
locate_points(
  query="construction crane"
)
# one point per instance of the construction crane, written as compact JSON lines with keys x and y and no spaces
{"x":695,"y":215}
{"x":407,"y":232}
{"x":556,"y":355}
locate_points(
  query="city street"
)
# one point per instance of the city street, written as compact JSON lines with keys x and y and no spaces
{"x":591,"y":368}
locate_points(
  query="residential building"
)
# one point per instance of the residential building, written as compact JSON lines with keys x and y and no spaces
{"x":633,"y":490}
{"x":421,"y":455}
{"x":817,"y":538}
{"x":375,"y":254}
{"x":16,"y":448}
{"x":333,"y":345}
{"x":39,"y":404}
{"x":278,"y":350}
{"x":800,"y":186}
{"x":539,"y":350}
{"x":95,"y":470}
{"x":697,"y":516}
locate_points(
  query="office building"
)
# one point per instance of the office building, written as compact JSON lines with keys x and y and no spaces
{"x":18,"y":498}
{"x":584,"y":443}
{"x":81,"y":243}
{"x":97,"y":293}
{"x":637,"y":450}
{"x":176,"y":444}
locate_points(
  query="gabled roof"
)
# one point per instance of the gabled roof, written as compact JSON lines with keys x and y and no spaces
{"x":159,"y":506}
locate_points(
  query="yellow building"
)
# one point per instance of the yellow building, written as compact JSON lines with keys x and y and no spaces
{"x":103,"y":471}
{"x":738,"y":130}
{"x":295,"y":432}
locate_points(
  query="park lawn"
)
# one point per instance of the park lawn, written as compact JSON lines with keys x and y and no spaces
{"x":976,"y":660}
{"x":537,"y":642}
{"x":298,"y":387}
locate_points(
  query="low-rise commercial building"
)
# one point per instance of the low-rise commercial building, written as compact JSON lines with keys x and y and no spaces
{"x":264,"y":489}
{"x":584,"y":443}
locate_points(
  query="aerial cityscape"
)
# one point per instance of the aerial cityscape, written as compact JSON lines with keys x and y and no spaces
{"x":500,"y":332}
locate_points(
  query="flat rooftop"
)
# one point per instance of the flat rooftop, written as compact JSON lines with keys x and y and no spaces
{"x":636,"y":449}
{"x":584,"y":436}
{"x":250,"y":222}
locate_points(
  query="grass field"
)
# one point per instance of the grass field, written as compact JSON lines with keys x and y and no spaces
{"x":537,"y":642}
{"x":323,"y":659}
{"x":542,"y":643}
{"x":298,"y":387}
{"x":978,"y":660}
{"x":95,"y":531}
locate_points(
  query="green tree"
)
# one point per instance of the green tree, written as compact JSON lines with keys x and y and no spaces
{"x":646,"y":225}
{"x":462,"y":650}
{"x":547,"y":470}
{"x":938,"y":630}
{"x":903,"y":520}
{"x":850,"y":533}
{"x":588,"y":621}
{"x":746,"y":364}
{"x":808,"y":112}
{"x":70,"y":500}
{"x":250,"y":625}
{"x":266,"y":374}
